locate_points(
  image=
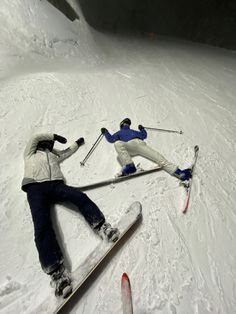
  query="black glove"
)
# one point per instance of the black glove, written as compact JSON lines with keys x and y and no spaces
{"x":80,"y":141}
{"x":140,"y":127}
{"x":103,"y":130}
{"x":60,"y":139}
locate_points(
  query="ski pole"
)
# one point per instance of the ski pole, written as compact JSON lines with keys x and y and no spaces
{"x":164,"y":130}
{"x":82,"y":163}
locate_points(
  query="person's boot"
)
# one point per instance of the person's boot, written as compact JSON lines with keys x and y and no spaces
{"x":126,"y":170}
{"x":106,"y":231}
{"x":183,"y":175}
{"x":61,"y":281}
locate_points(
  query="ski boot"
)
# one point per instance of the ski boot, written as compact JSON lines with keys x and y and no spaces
{"x":106,"y":231}
{"x":183,"y":175}
{"x":61,"y":281}
{"x":126,"y":170}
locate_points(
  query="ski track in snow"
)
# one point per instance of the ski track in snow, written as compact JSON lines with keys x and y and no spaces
{"x":73,"y":81}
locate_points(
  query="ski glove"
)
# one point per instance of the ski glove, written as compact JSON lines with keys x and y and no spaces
{"x":103,"y":130}
{"x":80,"y":141}
{"x":140,"y":127}
{"x":60,"y":139}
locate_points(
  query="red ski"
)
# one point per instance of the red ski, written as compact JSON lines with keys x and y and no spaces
{"x":188,"y":186}
{"x":126,"y":294}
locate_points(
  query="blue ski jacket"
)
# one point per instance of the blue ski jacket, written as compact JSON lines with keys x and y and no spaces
{"x":125,"y":134}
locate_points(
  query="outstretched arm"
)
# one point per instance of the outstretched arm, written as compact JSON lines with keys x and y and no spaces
{"x":110,"y":138}
{"x":143,"y":132}
{"x":66,"y":153}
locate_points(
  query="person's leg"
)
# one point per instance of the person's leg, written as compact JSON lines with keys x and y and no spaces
{"x":123,"y":155}
{"x":50,"y":254}
{"x":124,"y":158}
{"x":138,"y":147}
{"x":146,"y":151}
{"x":88,"y":209}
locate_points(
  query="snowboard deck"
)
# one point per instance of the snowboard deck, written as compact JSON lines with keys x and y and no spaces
{"x":132,"y":215}
{"x":118,"y":179}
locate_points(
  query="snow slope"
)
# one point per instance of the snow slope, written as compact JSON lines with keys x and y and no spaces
{"x":65,"y":78}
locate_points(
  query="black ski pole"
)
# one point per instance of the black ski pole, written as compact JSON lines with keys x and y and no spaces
{"x":163,"y":130}
{"x":82,"y":163}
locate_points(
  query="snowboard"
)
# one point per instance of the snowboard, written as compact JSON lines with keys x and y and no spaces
{"x":128,"y":220}
{"x":118,"y":179}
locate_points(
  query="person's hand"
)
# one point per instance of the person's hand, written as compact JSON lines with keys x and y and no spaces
{"x":59,"y":138}
{"x":80,"y":141}
{"x":103,"y":130}
{"x":140,"y":127}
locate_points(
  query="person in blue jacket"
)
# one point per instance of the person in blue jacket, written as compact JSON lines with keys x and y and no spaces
{"x":129,"y":142}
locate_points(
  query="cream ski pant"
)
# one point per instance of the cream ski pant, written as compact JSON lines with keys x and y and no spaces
{"x":126,"y":150}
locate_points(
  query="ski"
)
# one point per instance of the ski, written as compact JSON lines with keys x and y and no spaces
{"x":126,"y":295}
{"x":132,"y":215}
{"x":118,"y":179}
{"x":188,"y":186}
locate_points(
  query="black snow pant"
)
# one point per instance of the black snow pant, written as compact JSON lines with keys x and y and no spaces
{"x":40,"y":197}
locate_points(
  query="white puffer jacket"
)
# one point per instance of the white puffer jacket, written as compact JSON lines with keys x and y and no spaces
{"x":41,"y":166}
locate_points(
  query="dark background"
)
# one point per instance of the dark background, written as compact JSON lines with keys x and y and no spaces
{"x":207,"y":21}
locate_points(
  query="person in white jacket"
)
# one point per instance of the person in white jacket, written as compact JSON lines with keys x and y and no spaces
{"x":44,"y":184}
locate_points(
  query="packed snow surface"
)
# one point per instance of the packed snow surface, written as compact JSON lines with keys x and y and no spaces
{"x":63,"y":77}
